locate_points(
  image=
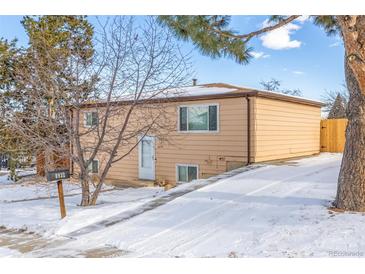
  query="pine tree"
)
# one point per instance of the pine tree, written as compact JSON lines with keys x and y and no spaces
{"x":37,"y":79}
{"x":338,"y":109}
{"x":8,"y":60}
{"x":54,"y":42}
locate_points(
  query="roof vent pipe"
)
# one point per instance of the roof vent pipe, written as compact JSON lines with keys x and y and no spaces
{"x":194,"y":81}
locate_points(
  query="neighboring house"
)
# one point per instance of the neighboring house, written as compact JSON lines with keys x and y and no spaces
{"x":220,"y":127}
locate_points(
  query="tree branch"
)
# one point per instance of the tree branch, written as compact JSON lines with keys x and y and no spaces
{"x":248,"y":36}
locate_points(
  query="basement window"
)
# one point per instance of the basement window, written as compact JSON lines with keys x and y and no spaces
{"x":187,"y":173}
{"x":198,"y":118}
{"x":91,"y":119}
{"x":93,"y":166}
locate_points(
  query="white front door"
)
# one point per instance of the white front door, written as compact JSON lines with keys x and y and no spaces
{"x":147,"y":158}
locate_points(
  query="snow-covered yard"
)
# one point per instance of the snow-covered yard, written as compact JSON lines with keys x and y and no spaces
{"x":272,"y":211}
{"x":4,"y":174}
{"x":35,"y":207}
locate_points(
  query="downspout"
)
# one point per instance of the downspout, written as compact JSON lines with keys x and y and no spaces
{"x":248,"y":130}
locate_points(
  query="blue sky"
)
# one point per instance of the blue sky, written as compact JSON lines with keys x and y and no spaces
{"x":300,"y":56}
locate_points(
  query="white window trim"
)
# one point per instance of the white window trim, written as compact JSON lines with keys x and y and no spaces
{"x":187,"y":118}
{"x":185,"y":165}
{"x":97,"y":160}
{"x":85,"y":119}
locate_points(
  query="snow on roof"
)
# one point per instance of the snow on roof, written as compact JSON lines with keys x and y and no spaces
{"x":212,"y":89}
{"x":221,"y":88}
{"x":201,"y":90}
{"x":285,"y":95}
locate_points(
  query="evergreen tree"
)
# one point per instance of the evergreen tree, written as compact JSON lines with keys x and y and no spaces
{"x":11,"y":144}
{"x":9,"y":55}
{"x":38,"y":80}
{"x":213,"y":36}
{"x":210,"y":34}
{"x":54,"y":43}
{"x":338,"y":109}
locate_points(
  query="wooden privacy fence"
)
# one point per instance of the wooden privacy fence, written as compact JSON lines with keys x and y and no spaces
{"x":333,"y":135}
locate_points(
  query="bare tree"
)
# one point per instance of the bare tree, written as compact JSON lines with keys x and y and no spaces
{"x":104,"y":107}
{"x":329,"y":98}
{"x":274,"y":85}
{"x":271,"y":85}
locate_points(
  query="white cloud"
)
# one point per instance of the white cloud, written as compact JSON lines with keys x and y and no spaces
{"x":258,"y":55}
{"x":335,"y":44}
{"x":297,"y":72}
{"x":302,"y":19}
{"x":280,"y":38}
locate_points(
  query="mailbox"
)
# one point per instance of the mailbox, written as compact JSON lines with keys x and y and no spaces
{"x":59,"y":175}
{"x":56,"y":175}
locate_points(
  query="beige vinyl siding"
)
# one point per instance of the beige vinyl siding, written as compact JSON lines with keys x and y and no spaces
{"x":285,"y":129}
{"x":279,"y":129}
{"x":209,"y":150}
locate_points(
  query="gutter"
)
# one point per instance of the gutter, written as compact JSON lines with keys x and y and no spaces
{"x":248,"y":129}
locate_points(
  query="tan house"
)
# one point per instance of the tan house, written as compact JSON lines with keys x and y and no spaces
{"x":220,"y":127}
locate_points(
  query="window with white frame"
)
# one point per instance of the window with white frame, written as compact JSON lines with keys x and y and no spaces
{"x":91,"y":119}
{"x":93,"y":166}
{"x":198,"y":118}
{"x":187,"y":173}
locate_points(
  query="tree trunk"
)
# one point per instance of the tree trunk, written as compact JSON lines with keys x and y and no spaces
{"x":12,"y":167}
{"x":96,"y":193}
{"x":85,"y":197}
{"x":351,"y":181}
